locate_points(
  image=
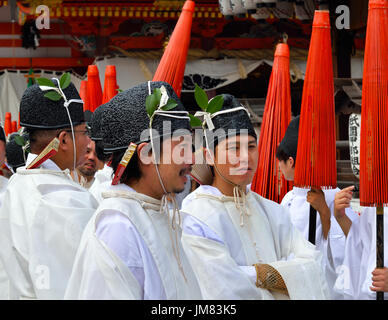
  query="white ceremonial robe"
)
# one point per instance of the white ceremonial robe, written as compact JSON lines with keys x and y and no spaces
{"x":126,"y":253}
{"x":333,"y":248}
{"x":41,"y":222}
{"x":102,"y":179}
{"x":4,"y":285}
{"x":222,"y":252}
{"x":355,"y":276}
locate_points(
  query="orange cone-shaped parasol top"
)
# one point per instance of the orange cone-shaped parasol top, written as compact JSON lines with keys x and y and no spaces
{"x":171,"y":68}
{"x":374,"y":116}
{"x":269,"y":181}
{"x":8,"y":124}
{"x":94,"y":91}
{"x":110,"y":84}
{"x":316,"y":154}
{"x":83,"y":93}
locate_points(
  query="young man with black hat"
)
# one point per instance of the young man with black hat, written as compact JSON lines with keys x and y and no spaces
{"x":330,"y":234}
{"x":44,"y":210}
{"x":131,"y":247}
{"x":240,"y":245}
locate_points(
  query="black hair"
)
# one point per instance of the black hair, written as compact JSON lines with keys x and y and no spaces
{"x":132,"y":171}
{"x":281,"y":155}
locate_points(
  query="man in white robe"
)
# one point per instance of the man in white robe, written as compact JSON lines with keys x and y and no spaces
{"x":330,"y":237}
{"x":242,"y":246}
{"x":44,"y":211}
{"x":359,"y":279}
{"x":131,"y":247}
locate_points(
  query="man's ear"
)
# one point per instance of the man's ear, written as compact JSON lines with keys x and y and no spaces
{"x":63,"y":138}
{"x":144,"y":153}
{"x":292,"y":162}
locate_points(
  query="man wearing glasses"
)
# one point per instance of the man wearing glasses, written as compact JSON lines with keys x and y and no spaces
{"x":44,"y":211}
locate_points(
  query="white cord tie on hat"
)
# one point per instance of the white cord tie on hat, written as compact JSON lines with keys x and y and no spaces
{"x":209,"y":116}
{"x":66,"y":105}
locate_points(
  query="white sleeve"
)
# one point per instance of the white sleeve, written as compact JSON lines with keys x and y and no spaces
{"x":121,"y":236}
{"x":118,"y":234}
{"x":212,"y":264}
{"x":348,"y":280}
{"x":193,"y":226}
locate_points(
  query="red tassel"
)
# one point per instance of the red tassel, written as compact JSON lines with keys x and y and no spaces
{"x":269,"y":181}
{"x":171,"y":68}
{"x":374,"y":116}
{"x":110,"y":84}
{"x":94,"y":90}
{"x":316,"y":154}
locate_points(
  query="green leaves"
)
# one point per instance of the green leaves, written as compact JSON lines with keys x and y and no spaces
{"x":153,"y":102}
{"x":45,"y":82}
{"x":201,"y":97}
{"x":19,"y":140}
{"x":171,"y":104}
{"x":194,"y":121}
{"x":65,"y":80}
{"x":215,"y":104}
{"x":212,"y":106}
{"x":53,"y":95}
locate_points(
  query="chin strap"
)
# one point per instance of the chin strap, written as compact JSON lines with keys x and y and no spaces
{"x":168,"y":196}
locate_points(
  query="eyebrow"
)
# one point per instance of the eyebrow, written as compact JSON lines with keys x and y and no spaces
{"x":233,"y":143}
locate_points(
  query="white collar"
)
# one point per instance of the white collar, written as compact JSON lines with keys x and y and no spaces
{"x":213,"y":190}
{"x":48,"y":164}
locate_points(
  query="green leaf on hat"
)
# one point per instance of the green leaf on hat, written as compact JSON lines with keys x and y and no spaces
{"x":171,"y":104}
{"x":201,"y":97}
{"x":215,"y":104}
{"x":19,"y":140}
{"x":65,"y":80}
{"x":158,"y":94}
{"x":152,"y":103}
{"x":45,"y":82}
{"x":53,"y":95}
{"x":194,"y":121}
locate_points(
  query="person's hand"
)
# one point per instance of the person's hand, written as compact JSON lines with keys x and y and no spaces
{"x":316,"y":198}
{"x":342,"y":201}
{"x":380,"y":280}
